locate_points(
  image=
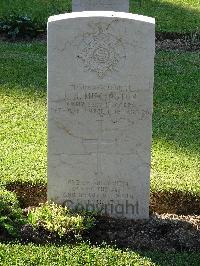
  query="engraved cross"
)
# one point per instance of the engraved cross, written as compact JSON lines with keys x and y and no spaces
{"x":99,"y":141}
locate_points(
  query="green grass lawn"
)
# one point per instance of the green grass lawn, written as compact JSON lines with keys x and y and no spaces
{"x":171,"y":15}
{"x":84,"y":254}
{"x":23,"y":112}
{"x":176,"y":121}
{"x":23,"y":139}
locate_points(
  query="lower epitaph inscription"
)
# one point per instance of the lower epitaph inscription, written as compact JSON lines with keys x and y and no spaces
{"x":90,"y":197}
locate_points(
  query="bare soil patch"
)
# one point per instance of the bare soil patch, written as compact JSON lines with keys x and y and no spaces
{"x":166,"y":232}
{"x":168,"y":41}
{"x":175,"y":202}
{"x":164,"y":40}
{"x":178,"y":45}
{"x":29,"y":195}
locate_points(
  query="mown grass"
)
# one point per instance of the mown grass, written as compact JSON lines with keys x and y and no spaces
{"x":84,"y":254}
{"x":176,"y":121}
{"x":38,"y":10}
{"x":23,"y":112}
{"x":171,"y":15}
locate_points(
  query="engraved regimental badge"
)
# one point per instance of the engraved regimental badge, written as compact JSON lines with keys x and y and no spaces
{"x":100,"y":51}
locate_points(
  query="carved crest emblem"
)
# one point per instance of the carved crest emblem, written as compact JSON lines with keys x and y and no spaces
{"x":100,"y":52}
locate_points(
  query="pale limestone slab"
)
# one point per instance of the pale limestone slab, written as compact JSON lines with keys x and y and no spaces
{"x":100,"y":90}
{"x":100,"y":5}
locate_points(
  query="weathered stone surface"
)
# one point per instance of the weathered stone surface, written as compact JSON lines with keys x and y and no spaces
{"x":100,"y":5}
{"x":100,"y":82}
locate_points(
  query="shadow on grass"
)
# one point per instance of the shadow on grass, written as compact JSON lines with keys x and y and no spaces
{"x":23,"y":67}
{"x":176,"y":100}
{"x":172,"y":258}
{"x":37,"y":10}
{"x":170,"y":16}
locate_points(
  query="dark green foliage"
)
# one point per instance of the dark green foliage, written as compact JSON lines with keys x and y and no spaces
{"x":38,"y":10}
{"x":11,"y":216}
{"x":19,"y":26}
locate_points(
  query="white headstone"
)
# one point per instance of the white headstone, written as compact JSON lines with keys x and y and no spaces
{"x":100,"y":82}
{"x":100,"y":5}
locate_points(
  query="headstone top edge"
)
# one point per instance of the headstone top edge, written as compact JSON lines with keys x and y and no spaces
{"x":109,"y":14}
